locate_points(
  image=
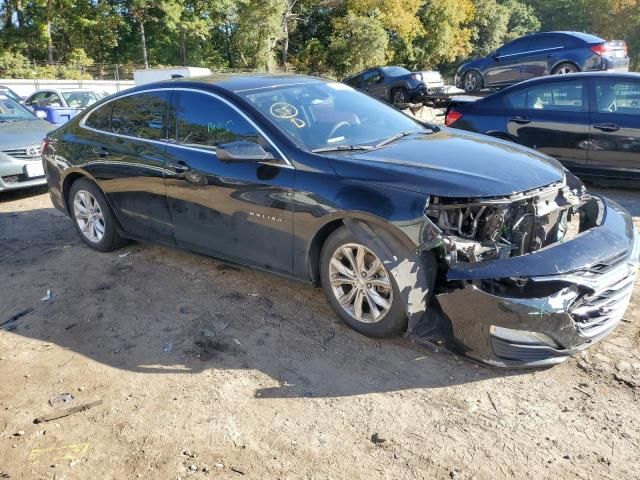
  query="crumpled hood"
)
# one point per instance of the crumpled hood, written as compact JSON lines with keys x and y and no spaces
{"x":24,"y":133}
{"x":452,"y":163}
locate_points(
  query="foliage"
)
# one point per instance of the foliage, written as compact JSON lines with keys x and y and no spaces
{"x":356,"y":43}
{"x":331,"y":37}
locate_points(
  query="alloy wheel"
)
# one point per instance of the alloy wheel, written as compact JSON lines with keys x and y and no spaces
{"x":89,"y":216}
{"x":564,"y":71}
{"x":470,"y":82}
{"x":360,"y":283}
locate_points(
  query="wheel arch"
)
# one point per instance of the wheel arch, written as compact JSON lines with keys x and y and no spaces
{"x":560,"y":62}
{"x":341,"y":219}
{"x":69,"y":179}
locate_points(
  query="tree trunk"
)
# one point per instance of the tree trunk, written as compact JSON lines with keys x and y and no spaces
{"x":285,"y":42}
{"x":20,"y":13}
{"x":183,"y":49}
{"x":49,"y":39}
{"x":143,"y":41}
{"x":8,"y":11}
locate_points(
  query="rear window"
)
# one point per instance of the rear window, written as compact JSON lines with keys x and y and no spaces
{"x":141,"y":115}
{"x":100,"y":118}
{"x":556,"y":96}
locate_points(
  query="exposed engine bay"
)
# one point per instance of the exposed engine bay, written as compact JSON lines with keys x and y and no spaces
{"x":475,"y":230}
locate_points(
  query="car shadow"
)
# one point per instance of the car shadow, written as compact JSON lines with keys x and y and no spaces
{"x":13,"y":195}
{"x":154,"y":310}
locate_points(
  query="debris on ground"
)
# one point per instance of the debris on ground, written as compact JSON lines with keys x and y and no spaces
{"x":375,"y":438}
{"x":47,"y":297}
{"x":67,"y":412}
{"x":60,"y":400}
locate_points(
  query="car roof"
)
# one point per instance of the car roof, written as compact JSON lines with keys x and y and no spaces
{"x":586,"y":37}
{"x":239,"y":82}
{"x":565,"y":78}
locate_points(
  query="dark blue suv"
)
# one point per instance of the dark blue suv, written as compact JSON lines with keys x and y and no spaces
{"x":541,"y":54}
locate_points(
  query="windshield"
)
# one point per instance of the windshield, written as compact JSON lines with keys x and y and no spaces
{"x":325,"y":115}
{"x":82,"y":99}
{"x":12,"y":111}
{"x":10,"y":93}
{"x":395,"y":71}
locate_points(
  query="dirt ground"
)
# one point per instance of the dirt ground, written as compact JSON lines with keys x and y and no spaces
{"x":213,"y":371}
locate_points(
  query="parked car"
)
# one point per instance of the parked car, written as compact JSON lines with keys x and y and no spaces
{"x":397,"y":84}
{"x":11,"y":94}
{"x":21,"y":134}
{"x":314,"y":180}
{"x":59,"y":106}
{"x":588,"y":121}
{"x":541,"y":54}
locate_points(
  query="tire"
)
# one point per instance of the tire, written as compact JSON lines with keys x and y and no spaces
{"x":565,"y":68}
{"x":89,"y":208}
{"x":472,"y":81}
{"x":399,"y":96}
{"x":391,"y":321}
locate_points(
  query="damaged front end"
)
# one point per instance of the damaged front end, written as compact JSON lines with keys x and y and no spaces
{"x":529,"y":279}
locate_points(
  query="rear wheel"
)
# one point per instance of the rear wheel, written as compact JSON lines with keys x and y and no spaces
{"x":565,"y":68}
{"x":472,"y":81}
{"x":359,"y":287}
{"x":92,"y":216}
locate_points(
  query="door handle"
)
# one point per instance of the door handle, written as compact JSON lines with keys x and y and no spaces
{"x":607,"y":127}
{"x":179,"y":167}
{"x":101,"y":152}
{"x":520,"y":120}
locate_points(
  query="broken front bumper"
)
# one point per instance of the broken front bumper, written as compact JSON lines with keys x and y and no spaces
{"x":572,"y":294}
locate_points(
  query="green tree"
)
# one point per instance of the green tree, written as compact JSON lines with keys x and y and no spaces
{"x":356,"y":43}
{"x":447,"y":35}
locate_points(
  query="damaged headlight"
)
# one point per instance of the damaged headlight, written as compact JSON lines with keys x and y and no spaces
{"x":473,"y":230}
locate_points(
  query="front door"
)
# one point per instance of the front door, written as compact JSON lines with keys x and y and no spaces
{"x":505,"y":64}
{"x":552,"y":117}
{"x":615,"y":128}
{"x":236,"y":210}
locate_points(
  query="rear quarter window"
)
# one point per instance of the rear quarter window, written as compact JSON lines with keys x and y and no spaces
{"x":100,"y":117}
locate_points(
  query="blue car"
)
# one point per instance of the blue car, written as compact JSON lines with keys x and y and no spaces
{"x":542,"y":54}
{"x":588,"y":121}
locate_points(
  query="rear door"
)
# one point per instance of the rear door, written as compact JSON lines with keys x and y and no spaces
{"x":238,"y":210}
{"x":544,"y":49}
{"x":615,"y":127}
{"x":126,"y":157}
{"x":552,"y":117}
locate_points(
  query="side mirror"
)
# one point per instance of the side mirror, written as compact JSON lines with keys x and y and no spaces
{"x":41,"y":114}
{"x":495,"y":56}
{"x":242,"y":151}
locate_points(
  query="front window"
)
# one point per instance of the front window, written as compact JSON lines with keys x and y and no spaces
{"x":82,"y":99}
{"x":12,"y":111}
{"x":330,"y":115}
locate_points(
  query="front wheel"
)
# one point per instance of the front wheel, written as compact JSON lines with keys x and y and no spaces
{"x":400,"y":96}
{"x":92,"y":216}
{"x":360,"y":288}
{"x":472,"y":81}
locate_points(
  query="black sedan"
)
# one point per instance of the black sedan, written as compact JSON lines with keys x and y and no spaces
{"x":541,"y":54}
{"x":397,"y":85}
{"x":491,"y":249}
{"x":588,"y":121}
